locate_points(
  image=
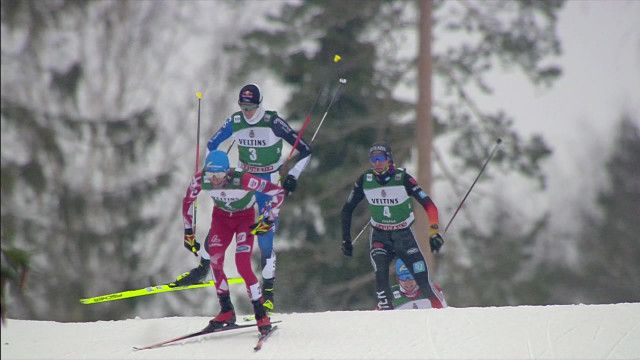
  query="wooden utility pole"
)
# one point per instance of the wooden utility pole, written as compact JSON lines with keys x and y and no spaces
{"x":424,"y":125}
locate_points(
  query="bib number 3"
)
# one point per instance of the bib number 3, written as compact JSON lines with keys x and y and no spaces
{"x":253,"y":155}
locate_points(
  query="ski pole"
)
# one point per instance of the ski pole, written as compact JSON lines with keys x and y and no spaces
{"x":336,"y":59}
{"x":360,"y":233}
{"x":195,"y":205}
{"x":229,"y":149}
{"x":335,"y":94}
{"x":495,"y":147}
{"x":342,"y":81}
{"x":308,"y":120}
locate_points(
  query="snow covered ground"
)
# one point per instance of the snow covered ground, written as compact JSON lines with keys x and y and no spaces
{"x":522,"y":332}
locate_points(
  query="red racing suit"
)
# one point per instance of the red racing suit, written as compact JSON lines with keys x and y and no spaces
{"x":233,"y":214}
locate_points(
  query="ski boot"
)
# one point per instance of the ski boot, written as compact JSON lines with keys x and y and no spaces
{"x":226,"y":317}
{"x":267,"y":295}
{"x":262,"y":319}
{"x":194,"y":276}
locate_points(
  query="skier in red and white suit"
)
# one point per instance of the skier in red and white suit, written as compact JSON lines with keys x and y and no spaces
{"x":233,"y":193}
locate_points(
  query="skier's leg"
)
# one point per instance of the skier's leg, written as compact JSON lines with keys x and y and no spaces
{"x":217,"y":243}
{"x":267,"y":251}
{"x":381,"y":254}
{"x":407,"y":249}
{"x":244,"y":249}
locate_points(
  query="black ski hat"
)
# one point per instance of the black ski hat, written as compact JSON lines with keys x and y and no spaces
{"x":383,"y":148}
{"x":250,"y":94}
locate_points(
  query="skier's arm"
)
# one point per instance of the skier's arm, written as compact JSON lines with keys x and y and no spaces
{"x":221,"y":135}
{"x":411,"y":185}
{"x":283,"y":130}
{"x":253,"y":183}
{"x":355,"y":196}
{"x":414,"y":190}
{"x":188,"y":200}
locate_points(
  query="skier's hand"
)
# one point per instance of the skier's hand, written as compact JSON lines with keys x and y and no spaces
{"x":190,"y":242}
{"x":289,"y":184}
{"x":263,"y":226}
{"x":347,"y":248}
{"x":435,"y":240}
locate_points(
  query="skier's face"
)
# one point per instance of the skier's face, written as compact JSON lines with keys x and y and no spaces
{"x":216,"y":179}
{"x":379,"y":162}
{"x":408,"y":285}
{"x":248,"y":109}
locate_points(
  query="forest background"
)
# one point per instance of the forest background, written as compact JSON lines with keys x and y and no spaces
{"x":98,"y":144}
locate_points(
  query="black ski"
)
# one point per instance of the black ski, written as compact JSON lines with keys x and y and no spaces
{"x":264,"y":337}
{"x":204,"y":331}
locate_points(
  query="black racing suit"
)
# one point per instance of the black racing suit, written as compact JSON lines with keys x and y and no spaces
{"x":385,"y":245}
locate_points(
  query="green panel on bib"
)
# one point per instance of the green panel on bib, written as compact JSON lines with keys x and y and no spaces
{"x":258,"y":147}
{"x":232,"y":197}
{"x":390,"y":205}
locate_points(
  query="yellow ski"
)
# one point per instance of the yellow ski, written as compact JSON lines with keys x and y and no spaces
{"x":152,"y":290}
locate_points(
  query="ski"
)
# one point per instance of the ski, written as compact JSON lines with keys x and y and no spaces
{"x":204,"y":331}
{"x":264,"y":337}
{"x":152,"y":290}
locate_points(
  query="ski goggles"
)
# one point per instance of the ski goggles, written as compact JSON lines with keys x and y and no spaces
{"x":377,"y":158}
{"x":219,"y":176}
{"x":247,"y":106}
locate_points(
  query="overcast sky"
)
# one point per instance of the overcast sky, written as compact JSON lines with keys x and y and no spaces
{"x":601,"y":74}
{"x":600,"y":79}
{"x":601,"y":70}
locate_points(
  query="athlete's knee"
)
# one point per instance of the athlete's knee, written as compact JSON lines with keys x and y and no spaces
{"x":378,"y":255}
{"x":216,"y":260}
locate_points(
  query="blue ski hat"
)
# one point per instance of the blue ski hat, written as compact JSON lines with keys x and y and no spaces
{"x":250,"y":93}
{"x":402,"y":272}
{"x":216,"y":161}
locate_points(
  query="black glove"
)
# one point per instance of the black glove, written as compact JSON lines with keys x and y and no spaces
{"x":347,"y":248}
{"x":435,"y":240}
{"x":190,"y":242}
{"x":289,"y":183}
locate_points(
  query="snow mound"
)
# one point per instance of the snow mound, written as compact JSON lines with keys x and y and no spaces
{"x":521,"y":332}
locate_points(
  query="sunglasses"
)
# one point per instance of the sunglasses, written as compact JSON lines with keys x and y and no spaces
{"x":248,"y":106}
{"x":377,"y":158}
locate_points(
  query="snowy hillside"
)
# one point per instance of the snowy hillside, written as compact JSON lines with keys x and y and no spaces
{"x":523,"y":332}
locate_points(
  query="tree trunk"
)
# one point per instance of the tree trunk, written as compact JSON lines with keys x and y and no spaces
{"x":424,"y":126}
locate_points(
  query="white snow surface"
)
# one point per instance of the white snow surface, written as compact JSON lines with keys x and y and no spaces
{"x":609,"y":331}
